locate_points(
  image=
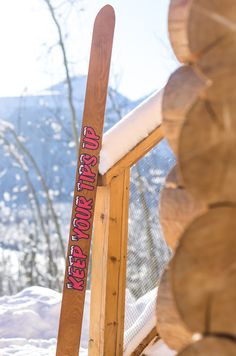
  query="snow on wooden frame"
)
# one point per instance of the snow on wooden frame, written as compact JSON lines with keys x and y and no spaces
{"x":130,"y":130}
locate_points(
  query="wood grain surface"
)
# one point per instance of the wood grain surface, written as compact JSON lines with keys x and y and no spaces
{"x":85,"y":185}
{"x":177,"y":208}
{"x":184,"y":86}
{"x":201,"y":31}
{"x":203,"y":273}
{"x":207,"y":141}
{"x":210,"y":346}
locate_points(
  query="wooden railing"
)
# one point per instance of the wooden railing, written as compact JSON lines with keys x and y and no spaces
{"x":109,"y":256}
{"x":198,"y":201}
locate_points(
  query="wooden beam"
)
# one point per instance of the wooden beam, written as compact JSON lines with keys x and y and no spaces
{"x":109,"y":268}
{"x":99,"y":271}
{"x":133,"y":156}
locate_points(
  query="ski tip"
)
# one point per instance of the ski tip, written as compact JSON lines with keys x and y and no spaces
{"x":106,"y":12}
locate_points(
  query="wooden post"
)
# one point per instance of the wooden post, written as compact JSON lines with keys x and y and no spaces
{"x":99,"y":271}
{"x":110,"y":250}
{"x":109,"y":267}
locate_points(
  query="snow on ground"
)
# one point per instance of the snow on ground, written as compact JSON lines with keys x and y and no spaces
{"x":29,"y":322}
{"x":140,"y":320}
{"x":131,"y":130}
{"x":158,"y":349}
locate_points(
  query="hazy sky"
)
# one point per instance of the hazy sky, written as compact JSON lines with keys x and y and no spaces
{"x":141,"y":58}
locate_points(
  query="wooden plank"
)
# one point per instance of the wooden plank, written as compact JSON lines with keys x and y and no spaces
{"x":85,"y":186}
{"x":133,"y":156}
{"x":99,"y":272}
{"x":109,"y":273}
{"x":119,"y":242}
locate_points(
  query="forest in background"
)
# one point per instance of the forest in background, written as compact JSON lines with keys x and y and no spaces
{"x":38,"y":145}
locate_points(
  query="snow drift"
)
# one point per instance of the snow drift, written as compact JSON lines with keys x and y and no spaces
{"x":29,"y":323}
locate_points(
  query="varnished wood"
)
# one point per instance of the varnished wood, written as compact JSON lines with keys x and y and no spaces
{"x":203,"y":273}
{"x":99,"y":272}
{"x":73,"y":296}
{"x":117,"y":257}
{"x":210,"y":346}
{"x":133,"y":156}
{"x":109,"y":273}
{"x":170,"y":326}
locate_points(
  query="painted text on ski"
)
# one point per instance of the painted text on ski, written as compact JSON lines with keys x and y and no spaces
{"x":83,"y":211}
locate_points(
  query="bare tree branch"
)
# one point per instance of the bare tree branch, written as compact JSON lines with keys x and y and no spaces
{"x":44,"y":185}
{"x":52,"y":269}
{"x":68,"y":78}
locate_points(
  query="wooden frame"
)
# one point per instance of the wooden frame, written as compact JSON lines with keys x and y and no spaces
{"x":108,"y":281}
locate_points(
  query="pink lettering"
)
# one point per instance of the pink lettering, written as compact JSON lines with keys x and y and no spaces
{"x":83,"y":225}
{"x":82,"y":213}
{"x":81,"y":185}
{"x":90,"y":144}
{"x":82,"y":202}
{"x":90,"y":133}
{"x":77,"y":252}
{"x":77,"y":262}
{"x":86,"y":171}
{"x":91,"y":139}
{"x":79,"y":235}
{"x":89,"y":160}
{"x":76,"y":272}
{"x":74,"y":284}
{"x":86,"y":179}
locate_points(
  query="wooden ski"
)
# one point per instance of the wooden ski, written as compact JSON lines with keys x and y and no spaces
{"x":77,"y":261}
